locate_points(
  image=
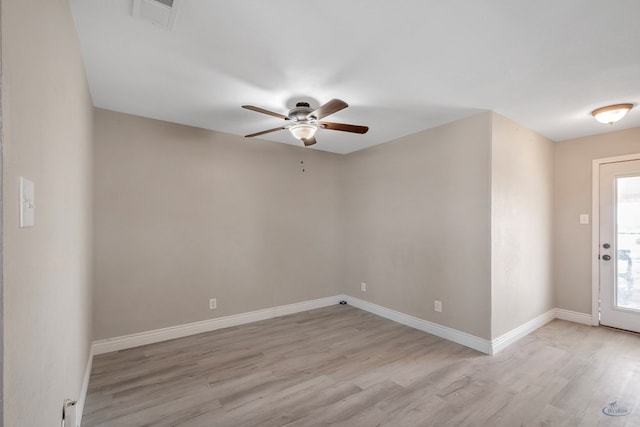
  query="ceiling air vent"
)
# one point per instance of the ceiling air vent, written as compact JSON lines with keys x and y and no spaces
{"x":159,"y":12}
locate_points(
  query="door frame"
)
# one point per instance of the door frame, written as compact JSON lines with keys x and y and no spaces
{"x":595,"y":230}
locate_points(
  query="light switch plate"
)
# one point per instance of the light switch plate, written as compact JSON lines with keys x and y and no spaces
{"x":584,"y":219}
{"x":27,"y":203}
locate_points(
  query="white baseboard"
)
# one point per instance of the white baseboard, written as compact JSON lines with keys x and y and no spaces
{"x":445,"y":332}
{"x":574,"y":316}
{"x":480,"y":344}
{"x":85,"y":386}
{"x":505,"y":340}
{"x":143,"y":338}
{"x":485,"y":346}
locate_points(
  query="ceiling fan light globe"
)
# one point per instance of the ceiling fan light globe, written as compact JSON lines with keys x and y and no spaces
{"x":303,"y":130}
{"x":612,"y":113}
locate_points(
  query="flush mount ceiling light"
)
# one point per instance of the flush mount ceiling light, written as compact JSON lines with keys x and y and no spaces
{"x":612,"y":113}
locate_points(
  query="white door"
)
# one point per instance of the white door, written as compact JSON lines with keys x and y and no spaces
{"x":620,"y":245}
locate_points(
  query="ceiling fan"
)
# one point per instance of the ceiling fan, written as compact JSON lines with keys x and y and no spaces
{"x":305,"y":120}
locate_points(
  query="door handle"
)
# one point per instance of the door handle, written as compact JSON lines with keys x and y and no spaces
{"x":606,"y":257}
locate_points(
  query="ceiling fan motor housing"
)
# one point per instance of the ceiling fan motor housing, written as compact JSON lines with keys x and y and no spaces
{"x":301,"y":112}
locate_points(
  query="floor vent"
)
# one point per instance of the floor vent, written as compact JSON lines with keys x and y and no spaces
{"x":159,"y":12}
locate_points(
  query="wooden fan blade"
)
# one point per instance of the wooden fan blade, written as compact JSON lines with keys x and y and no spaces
{"x":344,"y":127}
{"x":265,"y":131}
{"x":330,"y":107}
{"x":309,"y":141}
{"x":263,"y":111}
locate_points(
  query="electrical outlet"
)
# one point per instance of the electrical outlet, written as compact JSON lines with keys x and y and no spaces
{"x":213,"y":304}
{"x":363,"y":287}
{"x":437,"y":306}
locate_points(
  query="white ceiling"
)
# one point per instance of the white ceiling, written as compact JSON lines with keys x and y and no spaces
{"x":403,"y":66}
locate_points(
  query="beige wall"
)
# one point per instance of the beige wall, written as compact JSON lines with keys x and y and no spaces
{"x":572,"y":243}
{"x":418,"y":224}
{"x":462,"y":213}
{"x":521,"y":225}
{"x":47,"y":117}
{"x":183,"y":215}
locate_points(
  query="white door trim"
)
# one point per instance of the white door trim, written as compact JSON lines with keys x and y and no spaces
{"x":595,"y":230}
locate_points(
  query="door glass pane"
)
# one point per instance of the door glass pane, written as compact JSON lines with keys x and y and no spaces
{"x":628,"y":242}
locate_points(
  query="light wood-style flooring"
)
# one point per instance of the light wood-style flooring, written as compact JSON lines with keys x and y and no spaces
{"x":343,"y":366}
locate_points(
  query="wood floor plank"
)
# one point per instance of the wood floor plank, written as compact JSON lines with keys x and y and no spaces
{"x":343,"y":366}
